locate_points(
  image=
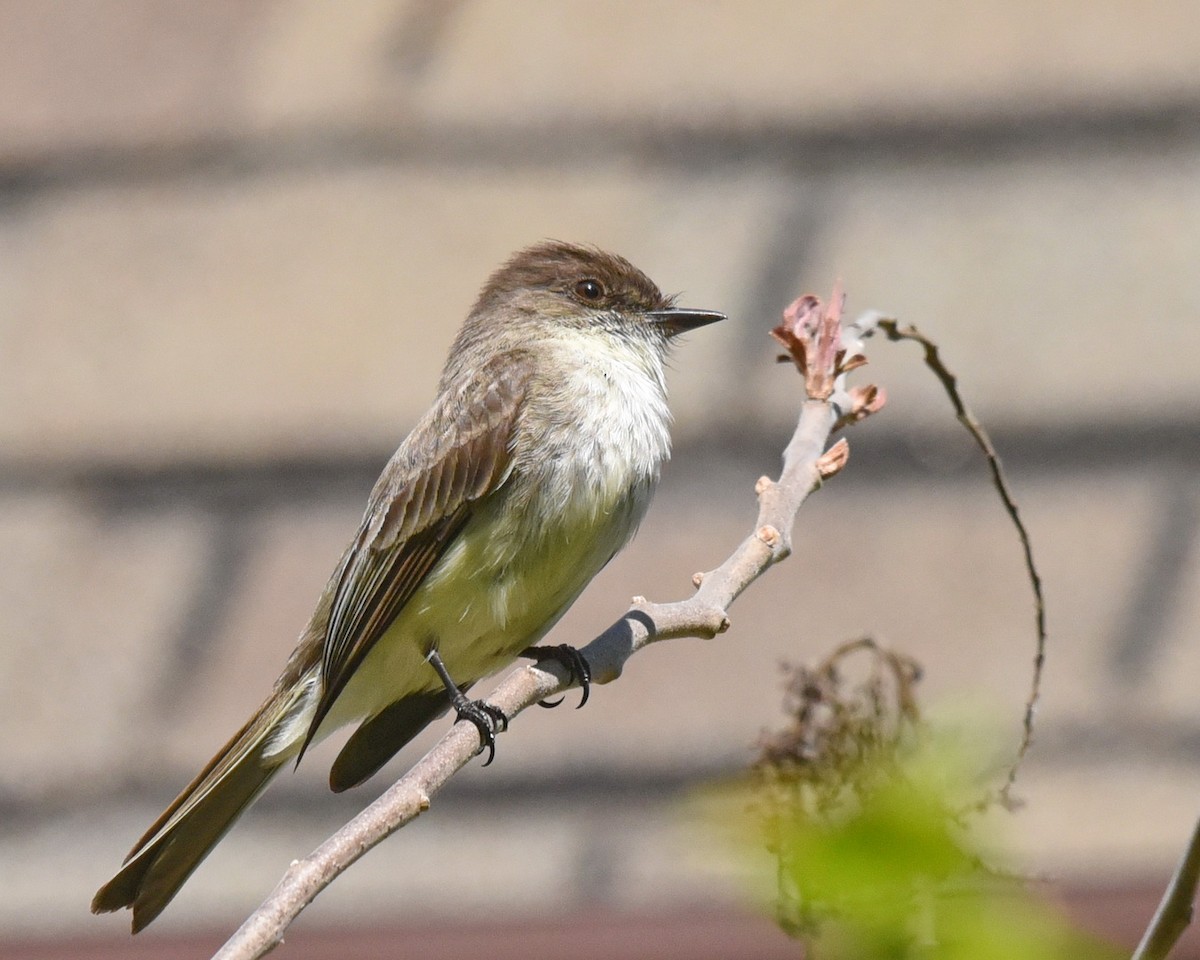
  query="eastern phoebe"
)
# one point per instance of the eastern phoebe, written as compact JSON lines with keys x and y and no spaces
{"x":530,"y":471}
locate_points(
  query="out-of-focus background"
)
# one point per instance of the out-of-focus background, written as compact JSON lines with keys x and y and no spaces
{"x":235,"y":241}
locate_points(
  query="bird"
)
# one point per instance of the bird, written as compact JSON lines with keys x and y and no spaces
{"x":532,"y":468}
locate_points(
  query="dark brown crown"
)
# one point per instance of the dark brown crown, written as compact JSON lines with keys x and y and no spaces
{"x":561,"y":267}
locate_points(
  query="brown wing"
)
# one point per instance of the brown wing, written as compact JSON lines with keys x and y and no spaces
{"x":458,"y":453}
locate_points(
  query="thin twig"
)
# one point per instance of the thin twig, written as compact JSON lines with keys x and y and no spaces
{"x":949,"y":382}
{"x":806,"y":464}
{"x":1174,"y":913}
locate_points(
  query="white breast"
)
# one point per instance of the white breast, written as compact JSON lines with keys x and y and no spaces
{"x":603,"y":429}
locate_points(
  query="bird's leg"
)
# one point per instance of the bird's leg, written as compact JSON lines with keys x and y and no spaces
{"x":572,"y":660}
{"x":488,"y":720}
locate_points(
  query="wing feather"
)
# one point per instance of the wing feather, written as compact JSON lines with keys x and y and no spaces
{"x":460,"y":452}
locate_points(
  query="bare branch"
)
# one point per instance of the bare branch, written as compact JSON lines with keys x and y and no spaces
{"x":819,"y":346}
{"x":949,"y":382}
{"x":1174,"y":913}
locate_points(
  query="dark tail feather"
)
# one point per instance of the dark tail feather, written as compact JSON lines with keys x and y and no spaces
{"x":377,"y":740}
{"x":182,"y":837}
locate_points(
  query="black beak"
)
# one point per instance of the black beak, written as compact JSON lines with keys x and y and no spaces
{"x":677,"y":320}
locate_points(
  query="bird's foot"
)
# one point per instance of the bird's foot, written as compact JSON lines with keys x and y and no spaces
{"x":575,"y":663}
{"x":488,"y":720}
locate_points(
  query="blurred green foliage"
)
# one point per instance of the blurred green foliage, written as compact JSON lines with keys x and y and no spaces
{"x":876,"y":852}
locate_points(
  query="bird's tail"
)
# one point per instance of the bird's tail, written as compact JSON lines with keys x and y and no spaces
{"x":190,"y":827}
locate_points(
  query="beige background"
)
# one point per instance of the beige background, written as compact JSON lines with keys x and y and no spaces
{"x":236,"y":239}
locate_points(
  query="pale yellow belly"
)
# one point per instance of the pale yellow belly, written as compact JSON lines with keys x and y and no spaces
{"x":494,"y":593}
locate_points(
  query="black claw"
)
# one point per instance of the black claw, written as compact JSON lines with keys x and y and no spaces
{"x":575,"y":663}
{"x":488,"y":721}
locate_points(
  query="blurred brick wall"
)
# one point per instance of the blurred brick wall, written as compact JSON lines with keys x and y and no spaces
{"x":236,"y":239}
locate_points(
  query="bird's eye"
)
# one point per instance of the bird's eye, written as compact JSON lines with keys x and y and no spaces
{"x":589,"y":290}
